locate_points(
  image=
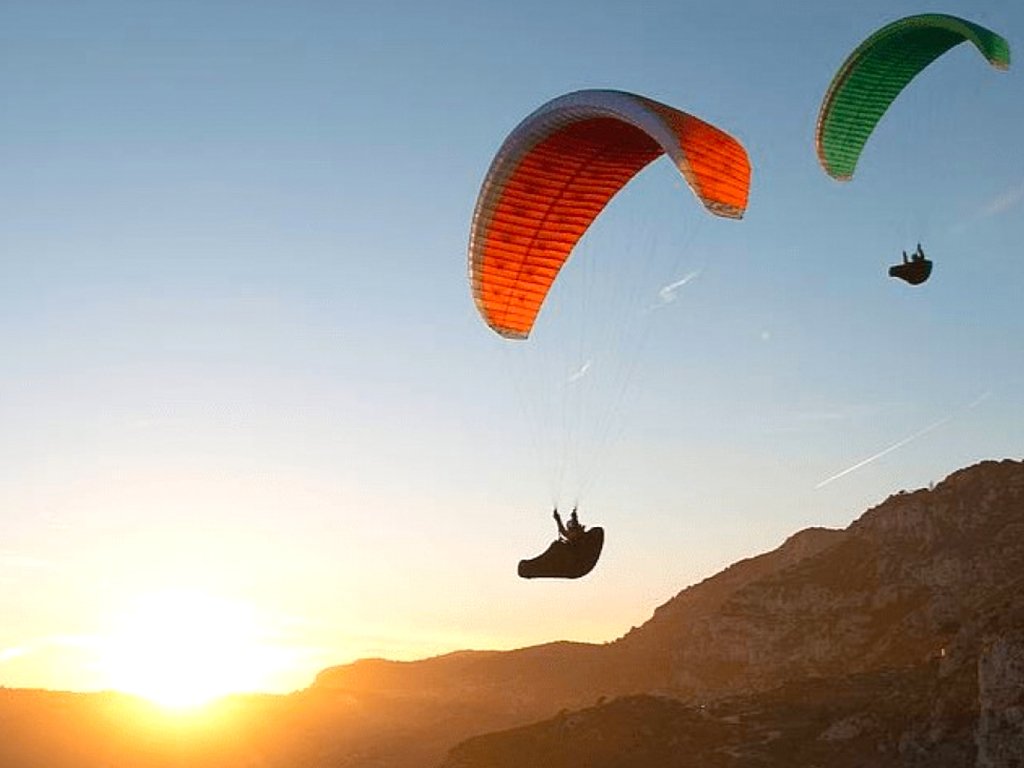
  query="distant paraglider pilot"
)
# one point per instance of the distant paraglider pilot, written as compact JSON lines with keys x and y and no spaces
{"x":573,"y":554}
{"x":914,"y":270}
{"x":572,"y":531}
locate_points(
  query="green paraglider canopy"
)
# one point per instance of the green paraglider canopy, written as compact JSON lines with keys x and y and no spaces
{"x":878,"y":70}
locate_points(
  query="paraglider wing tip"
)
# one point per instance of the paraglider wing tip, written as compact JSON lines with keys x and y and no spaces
{"x":725,"y":210}
{"x":509,"y":333}
{"x":839,"y":170}
{"x":997,"y":51}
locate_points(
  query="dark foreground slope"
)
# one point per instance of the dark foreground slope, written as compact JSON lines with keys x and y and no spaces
{"x":963,"y":708}
{"x":811,"y":722}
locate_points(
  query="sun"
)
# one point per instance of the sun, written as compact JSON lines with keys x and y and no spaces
{"x":182,"y":649}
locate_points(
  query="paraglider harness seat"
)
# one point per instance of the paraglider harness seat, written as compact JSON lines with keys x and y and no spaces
{"x":914,"y":270}
{"x":573,"y":554}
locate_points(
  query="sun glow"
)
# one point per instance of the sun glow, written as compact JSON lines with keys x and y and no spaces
{"x":183,"y":649}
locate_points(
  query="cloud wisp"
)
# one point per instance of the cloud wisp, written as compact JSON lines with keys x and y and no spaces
{"x":6,"y":654}
{"x":41,"y":644}
{"x":1002,"y":203}
{"x":667,"y":294}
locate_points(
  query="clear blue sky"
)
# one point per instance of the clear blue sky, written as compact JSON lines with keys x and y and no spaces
{"x":239,"y":354}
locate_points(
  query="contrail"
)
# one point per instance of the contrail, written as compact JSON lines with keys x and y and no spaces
{"x":882,"y":453}
{"x":979,"y":400}
{"x":580,"y":373}
{"x":920,"y":433}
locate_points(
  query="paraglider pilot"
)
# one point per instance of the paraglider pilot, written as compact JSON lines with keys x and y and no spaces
{"x":573,"y":554}
{"x":571,"y":531}
{"x":918,"y":255}
{"x":914,"y":270}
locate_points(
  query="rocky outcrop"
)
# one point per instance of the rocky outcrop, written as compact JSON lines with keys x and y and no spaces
{"x":1000,"y":733}
{"x":892,"y":589}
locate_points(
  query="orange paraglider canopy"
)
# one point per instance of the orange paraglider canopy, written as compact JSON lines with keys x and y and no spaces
{"x":557,"y":171}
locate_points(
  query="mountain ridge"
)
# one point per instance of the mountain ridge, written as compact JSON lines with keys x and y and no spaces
{"x":919,"y":600}
{"x":649,"y":657}
{"x":896,"y":641}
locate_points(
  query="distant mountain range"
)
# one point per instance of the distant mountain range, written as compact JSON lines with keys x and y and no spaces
{"x":898,"y":641}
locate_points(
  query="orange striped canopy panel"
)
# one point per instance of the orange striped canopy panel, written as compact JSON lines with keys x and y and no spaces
{"x":557,"y":171}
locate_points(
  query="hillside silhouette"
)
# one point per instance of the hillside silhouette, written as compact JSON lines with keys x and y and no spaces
{"x":898,"y":640}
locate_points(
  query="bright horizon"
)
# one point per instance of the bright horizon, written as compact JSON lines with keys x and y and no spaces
{"x":250,"y":420}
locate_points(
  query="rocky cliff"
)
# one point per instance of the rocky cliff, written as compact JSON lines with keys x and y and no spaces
{"x":897,"y":641}
{"x":892,"y":589}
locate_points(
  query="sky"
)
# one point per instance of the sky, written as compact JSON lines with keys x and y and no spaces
{"x":247,"y":403}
